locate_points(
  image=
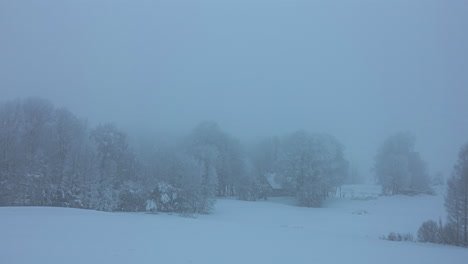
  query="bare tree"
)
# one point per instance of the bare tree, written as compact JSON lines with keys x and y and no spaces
{"x":456,"y":199}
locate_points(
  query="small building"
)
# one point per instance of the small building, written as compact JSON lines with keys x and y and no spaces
{"x":275,"y":185}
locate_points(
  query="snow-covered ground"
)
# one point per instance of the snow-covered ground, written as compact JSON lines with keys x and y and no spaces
{"x":273,"y":231}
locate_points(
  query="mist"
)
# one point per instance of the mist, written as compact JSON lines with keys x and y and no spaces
{"x":359,"y":70}
{"x":233,"y":131}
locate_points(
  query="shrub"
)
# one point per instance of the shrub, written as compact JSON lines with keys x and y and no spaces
{"x":131,"y":201}
{"x":408,"y":237}
{"x":429,"y":232}
{"x":164,"y":198}
{"x":167,"y":198}
{"x":399,"y":237}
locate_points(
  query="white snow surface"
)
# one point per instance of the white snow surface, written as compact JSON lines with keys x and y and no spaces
{"x":273,"y":231}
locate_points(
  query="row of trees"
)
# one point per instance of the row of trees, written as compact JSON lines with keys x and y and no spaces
{"x":400,"y":170}
{"x":50,"y":157}
{"x":455,"y":229}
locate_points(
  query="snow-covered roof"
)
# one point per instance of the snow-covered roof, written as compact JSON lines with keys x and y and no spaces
{"x":273,"y":181}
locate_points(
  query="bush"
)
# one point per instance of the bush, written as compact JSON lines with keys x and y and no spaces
{"x":309,"y":195}
{"x":167,"y":198}
{"x":429,"y":232}
{"x":249,"y":190}
{"x":408,"y":237}
{"x":63,"y":197}
{"x":131,"y":201}
{"x":104,"y":199}
{"x":392,"y":237}
{"x":164,"y":198}
{"x":399,"y":237}
{"x":432,"y":232}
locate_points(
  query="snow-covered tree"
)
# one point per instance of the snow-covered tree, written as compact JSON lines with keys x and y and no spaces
{"x":10,"y":150}
{"x":187,"y":188}
{"x":398,"y":167}
{"x":264,"y":155}
{"x":117,"y":165}
{"x":456,"y":199}
{"x":429,"y":232}
{"x":116,"y":160}
{"x":216,"y":150}
{"x":68,"y":133}
{"x":43,"y":154}
{"x":312,"y":166}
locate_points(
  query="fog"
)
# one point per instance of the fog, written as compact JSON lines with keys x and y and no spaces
{"x":360,"y":70}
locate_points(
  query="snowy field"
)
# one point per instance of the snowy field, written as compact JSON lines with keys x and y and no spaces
{"x":345,"y":231}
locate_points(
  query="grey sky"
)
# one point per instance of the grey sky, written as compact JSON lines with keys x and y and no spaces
{"x":360,"y":70}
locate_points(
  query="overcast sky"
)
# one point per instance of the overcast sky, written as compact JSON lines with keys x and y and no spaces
{"x":360,"y":70}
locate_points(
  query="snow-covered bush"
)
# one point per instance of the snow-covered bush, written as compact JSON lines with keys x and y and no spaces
{"x":131,"y":198}
{"x":309,"y":196}
{"x":167,"y":198}
{"x":164,"y":198}
{"x":429,"y":232}
{"x":249,"y":188}
{"x":398,"y":237}
{"x":104,"y":199}
{"x":432,"y":232}
{"x":65,"y":197}
{"x":188,"y":186}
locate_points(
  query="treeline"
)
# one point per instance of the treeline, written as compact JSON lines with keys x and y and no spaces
{"x":455,"y":230}
{"x":50,"y":157}
{"x":401,"y":171}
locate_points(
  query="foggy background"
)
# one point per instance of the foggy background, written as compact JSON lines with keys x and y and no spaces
{"x":360,"y":70}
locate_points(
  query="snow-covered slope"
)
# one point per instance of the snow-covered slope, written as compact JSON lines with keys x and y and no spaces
{"x":273,"y":231}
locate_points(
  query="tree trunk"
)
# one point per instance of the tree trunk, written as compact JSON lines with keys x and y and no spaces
{"x":465,"y":211}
